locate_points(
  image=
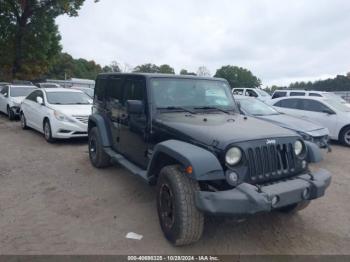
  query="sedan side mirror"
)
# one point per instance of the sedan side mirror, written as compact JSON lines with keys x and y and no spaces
{"x":39,"y":100}
{"x":5,"y":95}
{"x":134,"y":107}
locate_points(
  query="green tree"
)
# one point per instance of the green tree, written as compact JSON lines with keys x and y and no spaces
{"x":166,"y":69}
{"x":238,"y":76}
{"x":146,"y":68}
{"x":113,"y":67}
{"x":30,"y":35}
{"x":185,"y":72}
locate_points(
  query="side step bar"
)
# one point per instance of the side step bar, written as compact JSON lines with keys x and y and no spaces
{"x":126,"y":163}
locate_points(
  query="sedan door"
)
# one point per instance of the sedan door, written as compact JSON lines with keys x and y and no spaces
{"x":38,"y":110}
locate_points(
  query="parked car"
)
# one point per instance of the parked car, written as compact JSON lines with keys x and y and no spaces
{"x":11,"y":97}
{"x":328,"y":95}
{"x":326,"y":112}
{"x":252,"y":92}
{"x":307,"y":129}
{"x":48,"y":85}
{"x":56,"y":112}
{"x":185,"y":135}
{"x":3,"y":84}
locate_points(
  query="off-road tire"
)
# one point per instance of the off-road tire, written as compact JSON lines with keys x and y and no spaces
{"x":294,"y":208}
{"x":98,"y":156}
{"x":48,"y":131}
{"x":10,"y":113}
{"x":188,"y":221}
{"x":344,"y":136}
{"x":23,"y":121}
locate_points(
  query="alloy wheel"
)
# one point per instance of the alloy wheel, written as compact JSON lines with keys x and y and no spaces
{"x":47,"y":131}
{"x":347,"y":137}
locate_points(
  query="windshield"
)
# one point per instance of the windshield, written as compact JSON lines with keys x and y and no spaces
{"x":338,"y":105}
{"x":89,"y":92}
{"x":257,"y":108}
{"x":68,"y":98}
{"x":191,"y":93}
{"x":20,"y":91}
{"x":261,"y":92}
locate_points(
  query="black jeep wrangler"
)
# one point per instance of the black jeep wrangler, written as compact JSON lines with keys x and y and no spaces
{"x":185,"y":135}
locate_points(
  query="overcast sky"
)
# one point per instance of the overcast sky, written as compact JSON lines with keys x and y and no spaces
{"x":279,"y":41}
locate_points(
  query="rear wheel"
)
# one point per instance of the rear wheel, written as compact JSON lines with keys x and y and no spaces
{"x":10,"y":113}
{"x":180,"y":220}
{"x":98,"y":156}
{"x":294,"y":208}
{"x":345,"y":136}
{"x":48,"y":132}
{"x":23,"y":121}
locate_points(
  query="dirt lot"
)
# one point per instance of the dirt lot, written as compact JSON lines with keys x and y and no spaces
{"x":53,"y":202}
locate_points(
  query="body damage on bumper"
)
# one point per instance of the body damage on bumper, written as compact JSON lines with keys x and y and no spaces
{"x":248,"y":199}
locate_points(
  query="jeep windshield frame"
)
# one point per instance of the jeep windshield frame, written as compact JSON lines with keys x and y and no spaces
{"x":191,"y":95}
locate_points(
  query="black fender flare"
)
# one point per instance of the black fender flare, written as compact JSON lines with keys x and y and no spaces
{"x":98,"y":121}
{"x":314,"y":154}
{"x":205,"y":165}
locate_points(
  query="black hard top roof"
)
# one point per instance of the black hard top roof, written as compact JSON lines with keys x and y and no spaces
{"x":150,"y":75}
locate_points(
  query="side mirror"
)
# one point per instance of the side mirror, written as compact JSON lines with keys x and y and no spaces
{"x":39,"y":100}
{"x":5,"y":95}
{"x":134,"y":107}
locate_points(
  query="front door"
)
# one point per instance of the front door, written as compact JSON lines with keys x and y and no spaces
{"x":133,"y":139}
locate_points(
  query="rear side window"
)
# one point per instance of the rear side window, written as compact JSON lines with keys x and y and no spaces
{"x":312,"y":105}
{"x":251,"y":93}
{"x":100,"y":88}
{"x":114,"y":89}
{"x":297,"y":93}
{"x":289,"y":103}
{"x":315,"y":94}
{"x":279,"y":94}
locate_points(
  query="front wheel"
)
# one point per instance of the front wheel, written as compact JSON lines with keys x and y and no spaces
{"x":23,"y":121}
{"x":98,"y":156}
{"x":48,"y":132}
{"x":345,"y":136}
{"x":181,"y":222}
{"x":10,"y":113}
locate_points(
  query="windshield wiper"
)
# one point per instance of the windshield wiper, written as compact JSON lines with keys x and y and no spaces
{"x":213,"y":108}
{"x":177,"y":108}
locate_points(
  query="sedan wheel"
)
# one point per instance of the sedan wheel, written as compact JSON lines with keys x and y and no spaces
{"x":23,"y":121}
{"x":347,"y":137}
{"x":47,"y":132}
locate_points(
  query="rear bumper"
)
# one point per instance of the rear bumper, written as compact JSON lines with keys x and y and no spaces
{"x":246,"y":199}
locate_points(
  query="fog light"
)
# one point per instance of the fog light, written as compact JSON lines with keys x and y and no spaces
{"x":306,"y":193}
{"x":303,"y":164}
{"x":232,"y":178}
{"x":274,"y":201}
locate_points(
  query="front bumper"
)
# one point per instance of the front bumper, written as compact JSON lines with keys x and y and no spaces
{"x":64,"y":130}
{"x":247,"y":199}
{"x":16,"y":110}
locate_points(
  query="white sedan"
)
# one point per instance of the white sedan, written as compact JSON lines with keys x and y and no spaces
{"x":11,"y":97}
{"x":327,"y":112}
{"x":56,"y":112}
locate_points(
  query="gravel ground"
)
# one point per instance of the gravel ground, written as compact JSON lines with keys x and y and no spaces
{"x":52,"y":201}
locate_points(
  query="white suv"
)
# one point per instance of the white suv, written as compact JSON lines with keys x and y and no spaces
{"x":252,"y":92}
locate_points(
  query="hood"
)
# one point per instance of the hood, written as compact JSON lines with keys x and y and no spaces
{"x":218,"y":130}
{"x":296,"y":124}
{"x":73,"y":110}
{"x":18,"y":99}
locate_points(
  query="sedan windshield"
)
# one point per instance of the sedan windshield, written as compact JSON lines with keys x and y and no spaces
{"x":20,"y":91}
{"x":257,"y":108}
{"x":262,"y":92}
{"x":68,"y":98}
{"x":199,"y":94}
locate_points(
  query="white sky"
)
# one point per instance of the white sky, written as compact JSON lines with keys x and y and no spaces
{"x":279,"y":41}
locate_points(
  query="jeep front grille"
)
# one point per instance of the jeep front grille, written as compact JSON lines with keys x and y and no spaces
{"x":270,"y":162}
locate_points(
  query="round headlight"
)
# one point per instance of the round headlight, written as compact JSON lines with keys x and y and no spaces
{"x":298,"y":147}
{"x":233,"y":156}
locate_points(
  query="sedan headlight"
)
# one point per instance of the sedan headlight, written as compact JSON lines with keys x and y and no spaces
{"x":298,"y":147}
{"x":62,"y":117}
{"x":233,"y":156}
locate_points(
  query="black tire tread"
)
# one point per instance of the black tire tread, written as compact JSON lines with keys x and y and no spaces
{"x":103,"y":160}
{"x":191,"y":219}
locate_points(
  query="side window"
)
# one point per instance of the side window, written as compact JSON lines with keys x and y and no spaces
{"x":279,"y":94}
{"x":100,"y":89}
{"x":5,"y":90}
{"x":297,"y":93}
{"x":251,"y":93}
{"x":114,"y":91}
{"x":290,"y":103}
{"x":238,"y":91}
{"x":314,"y":106}
{"x":315,"y":94}
{"x":32,"y":96}
{"x":134,"y":89}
